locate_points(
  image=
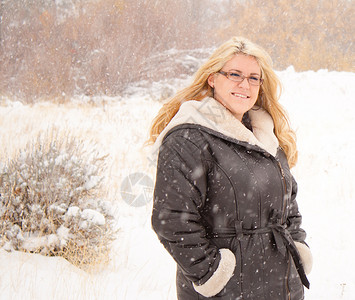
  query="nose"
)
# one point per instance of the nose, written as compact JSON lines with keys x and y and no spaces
{"x":245,"y":83}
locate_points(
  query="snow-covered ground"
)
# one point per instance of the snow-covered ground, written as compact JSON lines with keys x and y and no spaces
{"x":322,"y":111}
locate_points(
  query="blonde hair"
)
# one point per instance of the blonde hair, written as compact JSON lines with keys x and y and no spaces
{"x":268,"y":97}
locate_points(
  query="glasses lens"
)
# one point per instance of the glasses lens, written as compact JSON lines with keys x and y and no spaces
{"x":254,"y":80}
{"x":235,"y":76}
{"x":238,"y":77}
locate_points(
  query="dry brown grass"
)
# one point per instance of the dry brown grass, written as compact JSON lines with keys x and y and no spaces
{"x":85,"y":256}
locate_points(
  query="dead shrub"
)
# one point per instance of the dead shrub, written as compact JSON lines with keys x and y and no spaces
{"x":50,"y":201}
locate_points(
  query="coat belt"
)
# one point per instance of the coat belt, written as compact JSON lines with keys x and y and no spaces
{"x":282,"y":237}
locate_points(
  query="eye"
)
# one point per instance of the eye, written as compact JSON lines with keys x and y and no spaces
{"x":234,"y":75}
{"x":254,"y":79}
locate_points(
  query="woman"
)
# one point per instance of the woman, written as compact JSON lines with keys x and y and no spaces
{"x":224,"y":200}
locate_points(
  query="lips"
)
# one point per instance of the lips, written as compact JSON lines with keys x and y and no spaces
{"x":240,"y":95}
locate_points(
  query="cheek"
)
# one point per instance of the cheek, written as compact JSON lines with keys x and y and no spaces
{"x":255,"y":95}
{"x":223,"y":87}
{"x":218,"y":87}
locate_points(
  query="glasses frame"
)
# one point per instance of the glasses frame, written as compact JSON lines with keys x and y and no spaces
{"x":241,"y":79}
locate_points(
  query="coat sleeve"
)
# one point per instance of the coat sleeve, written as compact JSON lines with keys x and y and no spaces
{"x":179,"y":195}
{"x":294,"y":221}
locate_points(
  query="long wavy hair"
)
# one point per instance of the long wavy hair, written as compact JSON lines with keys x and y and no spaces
{"x":268,"y":97}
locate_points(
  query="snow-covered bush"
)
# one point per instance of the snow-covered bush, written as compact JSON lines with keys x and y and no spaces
{"x":50,"y":201}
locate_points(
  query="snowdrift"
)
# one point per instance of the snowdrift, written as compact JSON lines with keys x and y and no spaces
{"x":321,"y":108}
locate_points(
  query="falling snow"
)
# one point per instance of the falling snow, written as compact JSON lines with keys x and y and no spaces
{"x":321,"y":108}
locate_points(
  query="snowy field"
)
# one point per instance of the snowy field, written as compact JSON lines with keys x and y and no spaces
{"x":322,"y":110}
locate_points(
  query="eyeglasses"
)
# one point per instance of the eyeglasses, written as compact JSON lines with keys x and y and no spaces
{"x":239,"y":77}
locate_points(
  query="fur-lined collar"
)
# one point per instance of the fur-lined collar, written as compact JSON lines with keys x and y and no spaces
{"x":213,"y":115}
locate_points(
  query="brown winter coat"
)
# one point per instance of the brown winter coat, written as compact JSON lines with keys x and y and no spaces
{"x":225,"y":207}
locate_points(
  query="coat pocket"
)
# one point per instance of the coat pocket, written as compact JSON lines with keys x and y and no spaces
{"x":233,"y":289}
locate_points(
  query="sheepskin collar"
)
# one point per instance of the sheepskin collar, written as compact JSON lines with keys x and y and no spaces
{"x":213,"y":115}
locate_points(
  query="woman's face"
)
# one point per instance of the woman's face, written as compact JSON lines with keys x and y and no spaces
{"x":238,"y":97}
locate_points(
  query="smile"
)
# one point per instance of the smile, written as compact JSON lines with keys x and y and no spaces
{"x":240,"y":95}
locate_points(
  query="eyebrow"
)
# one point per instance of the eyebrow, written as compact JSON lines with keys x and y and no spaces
{"x":243,"y":73}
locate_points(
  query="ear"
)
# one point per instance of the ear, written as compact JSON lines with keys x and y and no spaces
{"x":210,"y":80}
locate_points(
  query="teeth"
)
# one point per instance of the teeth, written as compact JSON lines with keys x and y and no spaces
{"x":240,"y":95}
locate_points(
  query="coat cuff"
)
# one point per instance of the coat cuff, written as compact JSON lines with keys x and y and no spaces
{"x":306,"y":257}
{"x":220,"y":277}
